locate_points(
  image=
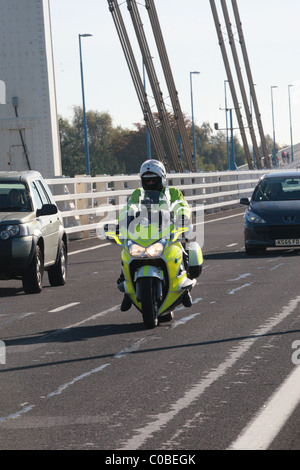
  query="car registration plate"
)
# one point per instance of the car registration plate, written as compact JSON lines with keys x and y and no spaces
{"x":288,"y":242}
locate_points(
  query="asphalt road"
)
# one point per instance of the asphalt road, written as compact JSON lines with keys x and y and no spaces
{"x":80,"y":374}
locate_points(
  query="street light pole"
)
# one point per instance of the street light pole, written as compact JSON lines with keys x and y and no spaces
{"x":233,"y":165}
{"x":86,"y":146}
{"x":193,"y":124}
{"x":274,"y":143}
{"x":250,"y":101}
{"x":148,"y":143}
{"x":291,"y":129}
{"x":226,"y":120}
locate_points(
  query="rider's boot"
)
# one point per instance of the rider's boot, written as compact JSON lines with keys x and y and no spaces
{"x":126,"y":303}
{"x":187,"y":299}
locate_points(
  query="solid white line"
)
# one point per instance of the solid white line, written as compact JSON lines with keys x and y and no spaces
{"x":130,"y":349}
{"x":195,"y":301}
{"x":183,"y":320}
{"x":17,"y":414}
{"x":157,"y":421}
{"x":242,"y":276}
{"x":75,"y":325}
{"x":93,"y":317}
{"x":233,"y":291}
{"x":63,"y":307}
{"x":223,"y":218}
{"x":277,"y":266}
{"x":76,"y":379}
{"x":17,"y":318}
{"x":88,"y":249}
{"x":259,"y":434}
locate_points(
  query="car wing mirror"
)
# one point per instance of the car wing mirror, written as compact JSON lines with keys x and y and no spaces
{"x":47,"y":209}
{"x":245,"y":201}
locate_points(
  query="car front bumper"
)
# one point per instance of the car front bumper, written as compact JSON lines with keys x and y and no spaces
{"x":15,"y":256}
{"x":267,"y":235}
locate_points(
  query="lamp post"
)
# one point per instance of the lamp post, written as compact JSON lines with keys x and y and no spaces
{"x":193,"y":124}
{"x":86,"y":146}
{"x":148,"y":143}
{"x":226,"y":119}
{"x":254,"y":159}
{"x":291,"y":128}
{"x":274,"y":143}
{"x":231,"y":164}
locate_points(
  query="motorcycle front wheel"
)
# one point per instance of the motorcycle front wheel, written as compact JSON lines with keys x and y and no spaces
{"x":149,"y":302}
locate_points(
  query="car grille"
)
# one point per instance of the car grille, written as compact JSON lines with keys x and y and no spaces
{"x":275,"y":232}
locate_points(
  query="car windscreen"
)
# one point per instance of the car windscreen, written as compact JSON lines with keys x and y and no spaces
{"x":278,"y":189}
{"x":14,"y":197}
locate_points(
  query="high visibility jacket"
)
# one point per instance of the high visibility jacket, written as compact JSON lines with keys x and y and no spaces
{"x":174,"y":197}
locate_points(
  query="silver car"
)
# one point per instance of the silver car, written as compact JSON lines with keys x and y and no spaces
{"x":32,"y":234}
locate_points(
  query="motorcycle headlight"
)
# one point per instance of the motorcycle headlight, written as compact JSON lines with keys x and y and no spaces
{"x":254,"y":218}
{"x":152,"y":251}
{"x":155,"y":250}
{"x":10,"y":231}
{"x":137,"y":251}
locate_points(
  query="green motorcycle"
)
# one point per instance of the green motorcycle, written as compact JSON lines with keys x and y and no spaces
{"x":156,"y":268}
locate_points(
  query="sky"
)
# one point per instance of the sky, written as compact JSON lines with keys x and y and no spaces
{"x":272,"y":37}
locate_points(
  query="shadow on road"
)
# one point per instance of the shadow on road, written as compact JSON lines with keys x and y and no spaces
{"x":84,"y":333}
{"x":11,"y":291}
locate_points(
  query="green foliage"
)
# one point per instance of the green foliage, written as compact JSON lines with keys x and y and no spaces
{"x":114,"y":150}
{"x":100,"y":137}
{"x":130,"y":149}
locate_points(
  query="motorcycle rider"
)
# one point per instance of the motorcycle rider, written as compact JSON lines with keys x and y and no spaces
{"x":153,"y":177}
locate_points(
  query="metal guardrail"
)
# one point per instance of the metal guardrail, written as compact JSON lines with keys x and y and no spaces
{"x":87,"y":203}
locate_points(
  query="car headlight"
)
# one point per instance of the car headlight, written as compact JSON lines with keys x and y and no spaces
{"x":10,"y":231}
{"x":254,"y":218}
{"x":152,"y":251}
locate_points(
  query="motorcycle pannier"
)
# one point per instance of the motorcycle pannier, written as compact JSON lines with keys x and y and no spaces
{"x":195,"y":259}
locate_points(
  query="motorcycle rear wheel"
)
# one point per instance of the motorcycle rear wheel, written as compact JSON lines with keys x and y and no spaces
{"x":148,"y":301}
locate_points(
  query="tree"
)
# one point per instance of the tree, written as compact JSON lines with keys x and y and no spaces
{"x":72,"y":157}
{"x":100,"y":133}
{"x":114,"y":150}
{"x":269,"y":144}
{"x":218,"y":152}
{"x":100,"y":130}
{"x":130,"y":148}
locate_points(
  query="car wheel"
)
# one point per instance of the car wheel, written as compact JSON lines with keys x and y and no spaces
{"x":58,"y":273}
{"x":32,"y":278}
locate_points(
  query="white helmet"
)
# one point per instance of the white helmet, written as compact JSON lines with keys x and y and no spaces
{"x":156,"y":169}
